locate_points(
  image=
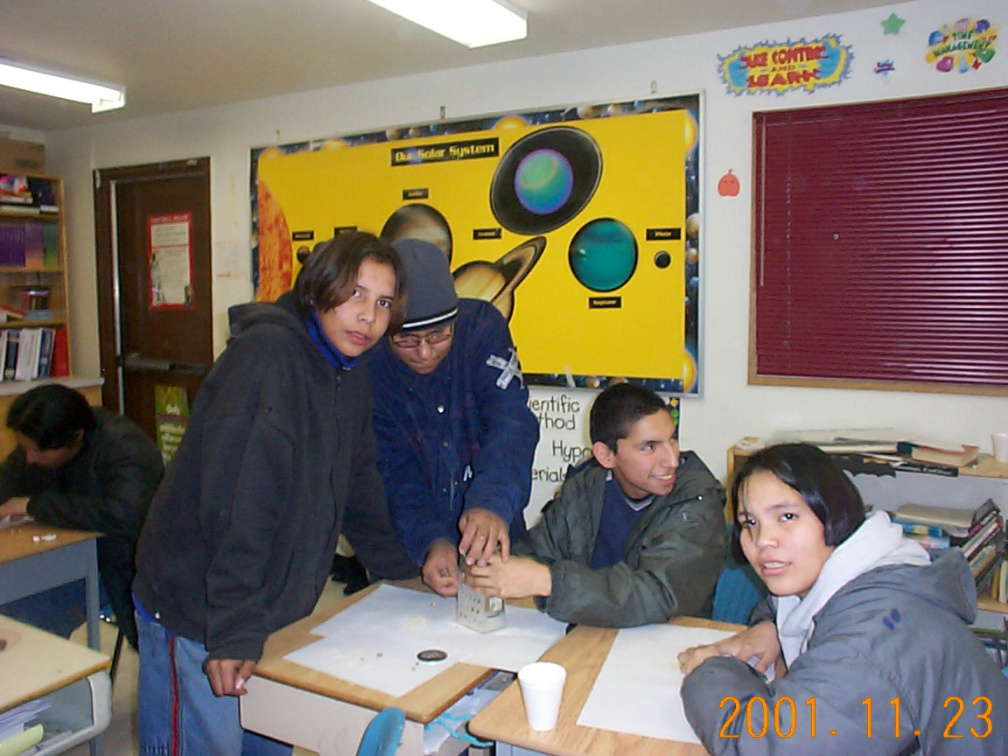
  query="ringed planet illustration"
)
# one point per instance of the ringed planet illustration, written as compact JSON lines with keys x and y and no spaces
{"x":495,"y":282}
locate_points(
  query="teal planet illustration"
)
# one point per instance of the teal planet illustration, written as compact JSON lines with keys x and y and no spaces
{"x":603,"y":254}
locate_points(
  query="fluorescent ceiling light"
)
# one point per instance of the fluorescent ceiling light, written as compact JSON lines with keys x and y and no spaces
{"x":100,"y":96}
{"x":473,"y":23}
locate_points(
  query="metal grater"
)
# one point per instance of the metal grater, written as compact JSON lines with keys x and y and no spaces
{"x":476,"y":611}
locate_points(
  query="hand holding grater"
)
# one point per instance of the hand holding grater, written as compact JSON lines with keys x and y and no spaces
{"x":476,"y":611}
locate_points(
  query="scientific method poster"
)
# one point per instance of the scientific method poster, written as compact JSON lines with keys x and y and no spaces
{"x":580,"y":225}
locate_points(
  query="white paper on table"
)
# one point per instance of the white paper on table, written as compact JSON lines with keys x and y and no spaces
{"x":375,"y":642}
{"x":637,"y":689}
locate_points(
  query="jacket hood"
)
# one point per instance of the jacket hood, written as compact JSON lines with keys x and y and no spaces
{"x":947,"y":583}
{"x":281,"y":313}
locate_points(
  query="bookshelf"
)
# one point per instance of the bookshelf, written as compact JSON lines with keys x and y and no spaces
{"x":33,"y":279}
{"x":33,"y":271}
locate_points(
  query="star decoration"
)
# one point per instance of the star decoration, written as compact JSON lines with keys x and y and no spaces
{"x":893,"y":24}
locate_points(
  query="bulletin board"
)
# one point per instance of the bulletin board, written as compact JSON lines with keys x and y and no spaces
{"x":581,"y":225}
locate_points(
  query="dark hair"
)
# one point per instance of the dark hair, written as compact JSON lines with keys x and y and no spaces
{"x":820,"y":481}
{"x":329,"y":274}
{"x":617,"y":408}
{"x":51,"y":415}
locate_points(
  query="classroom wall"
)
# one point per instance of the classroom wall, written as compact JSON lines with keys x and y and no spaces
{"x":728,"y":408}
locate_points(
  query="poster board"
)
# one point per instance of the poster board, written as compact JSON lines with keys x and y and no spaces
{"x":581,"y":225}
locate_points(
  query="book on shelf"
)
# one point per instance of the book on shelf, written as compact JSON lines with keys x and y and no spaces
{"x":59,"y":364}
{"x":34,"y":246}
{"x":14,"y":190}
{"x":1002,"y":582}
{"x":991,"y":529}
{"x":955,"y":522}
{"x":28,"y":354}
{"x":4,"y":335}
{"x":13,"y":340}
{"x":43,"y":194}
{"x":957,"y":455}
{"x":12,"y":245}
{"x":919,"y":528}
{"x":50,"y":246}
{"x":45,"y":352}
{"x":983,"y":562}
{"x":852,"y":441}
{"x":8,"y":314}
{"x":930,"y":542}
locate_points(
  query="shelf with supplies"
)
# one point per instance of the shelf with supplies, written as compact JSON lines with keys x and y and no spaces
{"x":57,"y":692}
{"x":34,"y":306}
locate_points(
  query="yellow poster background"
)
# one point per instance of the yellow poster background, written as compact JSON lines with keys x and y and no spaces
{"x":561,"y":327}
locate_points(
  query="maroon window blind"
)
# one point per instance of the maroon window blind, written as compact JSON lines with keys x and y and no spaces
{"x":881,"y":245}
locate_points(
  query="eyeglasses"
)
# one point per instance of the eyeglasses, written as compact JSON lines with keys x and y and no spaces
{"x":413,"y":341}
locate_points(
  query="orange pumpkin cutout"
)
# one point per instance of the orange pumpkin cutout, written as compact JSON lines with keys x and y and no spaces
{"x":728,"y":185}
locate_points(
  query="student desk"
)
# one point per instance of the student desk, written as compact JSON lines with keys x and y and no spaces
{"x":582,"y":652}
{"x":73,"y":678}
{"x":28,"y":566}
{"x":322,"y":713}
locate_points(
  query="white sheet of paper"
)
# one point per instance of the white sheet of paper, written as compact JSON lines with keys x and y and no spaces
{"x":375,"y":642}
{"x":637,"y":689}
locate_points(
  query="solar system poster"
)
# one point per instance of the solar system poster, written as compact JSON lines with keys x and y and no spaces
{"x":580,"y":225}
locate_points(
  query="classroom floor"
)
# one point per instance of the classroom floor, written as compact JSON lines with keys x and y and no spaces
{"x":120,"y":737}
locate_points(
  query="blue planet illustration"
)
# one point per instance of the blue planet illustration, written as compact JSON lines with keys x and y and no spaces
{"x":603,"y":254}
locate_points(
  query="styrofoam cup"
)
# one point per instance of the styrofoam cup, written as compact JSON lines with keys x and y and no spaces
{"x":1000,"y":443}
{"x":542,"y":685}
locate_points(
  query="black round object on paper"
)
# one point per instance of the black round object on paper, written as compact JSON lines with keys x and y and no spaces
{"x":432,"y":655}
{"x":582,"y":157}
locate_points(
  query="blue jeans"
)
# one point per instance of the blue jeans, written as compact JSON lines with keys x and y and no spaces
{"x":177,"y":712}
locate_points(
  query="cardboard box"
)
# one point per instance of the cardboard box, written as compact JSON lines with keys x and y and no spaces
{"x":21,"y":157}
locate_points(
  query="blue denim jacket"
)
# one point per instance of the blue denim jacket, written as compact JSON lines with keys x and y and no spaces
{"x":460,"y":438}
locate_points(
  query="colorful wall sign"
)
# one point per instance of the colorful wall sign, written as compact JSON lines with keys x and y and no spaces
{"x":782,"y":67}
{"x":963,"y":46}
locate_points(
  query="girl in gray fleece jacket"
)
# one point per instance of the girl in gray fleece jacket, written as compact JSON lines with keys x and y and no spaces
{"x":867,"y":632}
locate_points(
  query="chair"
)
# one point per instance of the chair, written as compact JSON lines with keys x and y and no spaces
{"x":738,"y":590}
{"x":116,"y":653}
{"x":381,"y":738}
{"x":107,"y":614}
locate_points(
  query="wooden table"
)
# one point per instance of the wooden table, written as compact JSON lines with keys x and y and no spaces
{"x":325,"y":714}
{"x":31,"y":561}
{"x":73,"y":678}
{"x":582,"y":652}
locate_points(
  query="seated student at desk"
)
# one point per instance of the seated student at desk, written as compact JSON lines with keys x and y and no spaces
{"x":872,"y":630}
{"x":82,"y":468}
{"x":277,"y":459}
{"x":636,"y":535}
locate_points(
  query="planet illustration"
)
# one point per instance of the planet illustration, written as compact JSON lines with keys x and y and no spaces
{"x":495,"y":282}
{"x":692,"y":225}
{"x":545,"y":179}
{"x":510,"y":122}
{"x":689,"y":371}
{"x":419,"y":221}
{"x":603,"y":254}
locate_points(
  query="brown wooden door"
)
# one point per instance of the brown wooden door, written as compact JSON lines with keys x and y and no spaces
{"x":155,"y":308}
